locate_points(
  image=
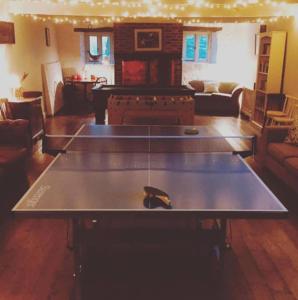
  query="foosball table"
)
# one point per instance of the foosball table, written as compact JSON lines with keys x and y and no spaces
{"x":149,"y":109}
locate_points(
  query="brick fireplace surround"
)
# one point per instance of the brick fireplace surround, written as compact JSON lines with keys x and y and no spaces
{"x":168,"y":60}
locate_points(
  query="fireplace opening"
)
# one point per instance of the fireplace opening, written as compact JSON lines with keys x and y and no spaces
{"x":139,"y":72}
{"x":147,"y":72}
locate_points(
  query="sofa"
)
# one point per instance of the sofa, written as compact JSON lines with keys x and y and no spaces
{"x":216,"y":98}
{"x":15,"y":145}
{"x":279,"y":157}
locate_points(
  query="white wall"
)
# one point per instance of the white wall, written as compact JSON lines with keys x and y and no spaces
{"x":27,"y":54}
{"x":4,"y":66}
{"x":236,"y":60}
{"x":71,"y":51}
{"x":291,"y":61}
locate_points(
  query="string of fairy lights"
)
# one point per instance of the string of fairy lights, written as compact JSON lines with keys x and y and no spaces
{"x":95,"y":21}
{"x":157,"y":9}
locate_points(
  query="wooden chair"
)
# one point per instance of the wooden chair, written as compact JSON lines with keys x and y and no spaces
{"x":5,"y":112}
{"x":284,"y":116}
{"x":288,"y":119}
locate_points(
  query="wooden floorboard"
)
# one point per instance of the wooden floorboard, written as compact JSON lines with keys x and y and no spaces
{"x":35,"y":263}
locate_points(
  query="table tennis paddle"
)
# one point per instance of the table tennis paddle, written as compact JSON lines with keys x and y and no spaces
{"x":155,"y":197}
{"x":191,"y":131}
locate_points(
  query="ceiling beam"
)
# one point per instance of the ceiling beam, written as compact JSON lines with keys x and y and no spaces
{"x":99,"y":29}
{"x":201,"y":28}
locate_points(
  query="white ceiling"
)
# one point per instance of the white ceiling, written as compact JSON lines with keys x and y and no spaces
{"x":149,"y":8}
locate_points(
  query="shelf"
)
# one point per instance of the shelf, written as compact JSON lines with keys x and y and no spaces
{"x":261,"y":109}
{"x":256,"y":123}
{"x":269,"y":74}
{"x":261,"y":91}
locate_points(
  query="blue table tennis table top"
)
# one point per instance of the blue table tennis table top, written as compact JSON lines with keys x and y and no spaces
{"x":208,"y":184}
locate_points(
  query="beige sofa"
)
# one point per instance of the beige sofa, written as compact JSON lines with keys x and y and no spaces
{"x":279,"y":157}
{"x":224,"y":101}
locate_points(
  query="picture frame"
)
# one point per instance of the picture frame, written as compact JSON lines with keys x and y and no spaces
{"x":148,"y":39}
{"x":7,"y":33}
{"x":48,"y":37}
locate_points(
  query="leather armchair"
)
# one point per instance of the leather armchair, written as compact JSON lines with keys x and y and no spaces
{"x":15,"y":144}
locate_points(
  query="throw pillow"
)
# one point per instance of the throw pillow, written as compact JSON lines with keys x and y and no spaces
{"x":292,"y":137}
{"x":210,"y":87}
{"x":227,"y":87}
{"x":198,"y":85}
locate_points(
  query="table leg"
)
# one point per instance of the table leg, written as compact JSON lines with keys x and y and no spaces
{"x":223,"y":246}
{"x":77,"y":247}
{"x":85,"y":93}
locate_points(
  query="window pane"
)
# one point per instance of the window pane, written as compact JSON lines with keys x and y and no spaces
{"x":106,"y":46}
{"x":190,"y":42}
{"x":93,"y":45}
{"x":203,"y":47}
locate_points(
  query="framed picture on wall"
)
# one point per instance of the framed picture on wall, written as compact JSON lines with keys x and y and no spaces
{"x":48,"y":36}
{"x":7,"y":35}
{"x":148,"y":40}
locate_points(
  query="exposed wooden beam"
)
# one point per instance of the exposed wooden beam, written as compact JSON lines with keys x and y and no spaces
{"x":201,"y":28}
{"x":102,"y":29}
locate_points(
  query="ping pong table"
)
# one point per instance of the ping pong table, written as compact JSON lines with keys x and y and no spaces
{"x":104,"y":169}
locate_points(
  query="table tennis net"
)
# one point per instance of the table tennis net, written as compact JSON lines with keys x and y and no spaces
{"x":161,"y":144}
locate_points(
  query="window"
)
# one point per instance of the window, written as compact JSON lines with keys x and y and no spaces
{"x":197,"y":47}
{"x":98,"y":47}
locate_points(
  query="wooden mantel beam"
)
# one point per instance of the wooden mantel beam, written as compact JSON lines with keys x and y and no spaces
{"x":101,"y":29}
{"x":201,"y":28}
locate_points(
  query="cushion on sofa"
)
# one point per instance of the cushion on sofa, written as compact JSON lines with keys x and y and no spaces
{"x":281,"y":151}
{"x":223,"y":95}
{"x":210,"y":87}
{"x":10,"y":155}
{"x":227,"y":87}
{"x":292,"y":137}
{"x":291,"y":164}
{"x":203,"y":94}
{"x":198,"y":85}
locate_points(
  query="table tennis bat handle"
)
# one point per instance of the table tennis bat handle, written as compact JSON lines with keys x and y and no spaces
{"x":152,"y":192}
{"x":164,"y":199}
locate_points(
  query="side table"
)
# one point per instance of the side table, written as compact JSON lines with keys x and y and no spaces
{"x":29,"y":109}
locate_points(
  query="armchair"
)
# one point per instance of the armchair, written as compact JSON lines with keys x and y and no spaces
{"x":15,"y":144}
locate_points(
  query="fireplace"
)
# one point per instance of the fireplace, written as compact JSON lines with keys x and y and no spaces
{"x":153,"y":72}
{"x":139,"y":72}
{"x":151,"y":68}
{"x":147,"y":71}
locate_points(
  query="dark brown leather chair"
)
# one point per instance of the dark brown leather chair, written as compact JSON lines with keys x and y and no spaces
{"x":15,"y":144}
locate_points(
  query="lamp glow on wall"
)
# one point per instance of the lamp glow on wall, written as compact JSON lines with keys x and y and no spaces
{"x":295,"y":14}
{"x":13,"y":83}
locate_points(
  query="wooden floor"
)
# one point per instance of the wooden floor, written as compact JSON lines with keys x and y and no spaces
{"x":35,"y":263}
